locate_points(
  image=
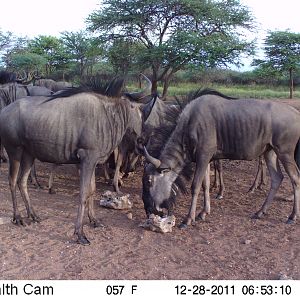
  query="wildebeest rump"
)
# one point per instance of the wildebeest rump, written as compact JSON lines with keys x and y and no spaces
{"x":83,"y":128}
{"x":211,"y":128}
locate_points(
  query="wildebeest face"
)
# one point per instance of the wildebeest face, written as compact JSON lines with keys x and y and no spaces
{"x":159,"y":190}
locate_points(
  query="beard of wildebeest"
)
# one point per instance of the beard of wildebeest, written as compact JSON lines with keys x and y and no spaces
{"x":212,"y":127}
{"x":83,"y":128}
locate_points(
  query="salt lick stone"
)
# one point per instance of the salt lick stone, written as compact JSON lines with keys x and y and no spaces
{"x":116,"y":201}
{"x":5,"y":220}
{"x":159,"y":224}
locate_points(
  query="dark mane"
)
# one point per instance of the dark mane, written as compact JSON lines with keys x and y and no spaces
{"x":199,"y":93}
{"x":7,"y":77}
{"x":94,"y":84}
{"x":7,"y":95}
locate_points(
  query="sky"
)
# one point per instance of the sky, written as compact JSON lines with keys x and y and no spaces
{"x":39,"y":17}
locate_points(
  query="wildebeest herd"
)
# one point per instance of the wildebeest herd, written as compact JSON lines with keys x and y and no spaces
{"x":85,"y":125}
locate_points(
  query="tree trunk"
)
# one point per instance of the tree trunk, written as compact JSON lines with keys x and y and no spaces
{"x":291,"y":83}
{"x":166,"y":86}
{"x":154,"y":87}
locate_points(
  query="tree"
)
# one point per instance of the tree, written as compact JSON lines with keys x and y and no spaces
{"x":122,"y":55}
{"x":27,"y":62}
{"x":282,"y":50}
{"x":50,"y":48}
{"x":82,"y":48}
{"x":175,"y":33}
{"x":5,"y":39}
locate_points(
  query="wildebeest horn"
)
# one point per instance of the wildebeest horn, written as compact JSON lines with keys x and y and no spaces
{"x":154,"y":161}
{"x":139,"y":95}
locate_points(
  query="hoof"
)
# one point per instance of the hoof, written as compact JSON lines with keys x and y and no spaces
{"x":96,"y":224}
{"x":82,"y":240}
{"x":51,"y":191}
{"x":291,"y":221}
{"x":258,"y":215}
{"x":35,"y":219}
{"x":18,"y":221}
{"x":37,"y":186}
{"x":200,"y":218}
{"x":183,"y":226}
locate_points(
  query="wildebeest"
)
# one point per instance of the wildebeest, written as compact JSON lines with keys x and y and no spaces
{"x":75,"y":127}
{"x":53,"y":85}
{"x":11,"y":89}
{"x":212,"y":127}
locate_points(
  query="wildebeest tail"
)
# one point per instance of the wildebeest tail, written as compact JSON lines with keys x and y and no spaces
{"x":297,"y":154}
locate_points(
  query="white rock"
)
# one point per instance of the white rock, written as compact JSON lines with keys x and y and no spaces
{"x":116,"y":201}
{"x":159,"y":224}
{"x":5,"y":220}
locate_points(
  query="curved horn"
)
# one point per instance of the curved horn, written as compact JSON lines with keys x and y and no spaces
{"x":149,"y":83}
{"x":139,"y":95}
{"x":154,"y":161}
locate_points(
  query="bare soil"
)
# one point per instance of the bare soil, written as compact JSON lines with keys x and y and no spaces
{"x":228,"y":245}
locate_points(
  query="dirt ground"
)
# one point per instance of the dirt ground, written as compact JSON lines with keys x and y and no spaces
{"x":228,"y":245}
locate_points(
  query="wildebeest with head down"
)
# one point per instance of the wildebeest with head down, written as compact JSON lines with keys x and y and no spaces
{"x":77,"y":127}
{"x":212,"y":127}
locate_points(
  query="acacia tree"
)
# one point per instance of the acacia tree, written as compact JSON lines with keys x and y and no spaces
{"x":48,"y":47}
{"x":27,"y":62}
{"x":176,"y":32}
{"x":122,"y":56}
{"x":5,"y":39}
{"x":282,"y":49}
{"x":82,"y":49}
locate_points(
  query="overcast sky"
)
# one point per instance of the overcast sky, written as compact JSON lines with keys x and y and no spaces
{"x":39,"y":17}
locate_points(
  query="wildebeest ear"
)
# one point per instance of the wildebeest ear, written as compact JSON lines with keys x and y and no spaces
{"x":147,"y":108}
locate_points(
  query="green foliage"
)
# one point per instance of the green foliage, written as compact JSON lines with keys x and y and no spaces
{"x":27,"y":61}
{"x":124,"y":56}
{"x":282,"y":50}
{"x":82,"y":49}
{"x":5,"y":39}
{"x":51,"y":49}
{"x":175,"y":33}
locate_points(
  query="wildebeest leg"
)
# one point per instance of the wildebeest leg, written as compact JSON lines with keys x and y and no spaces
{"x":91,"y":211}
{"x":201,"y":167}
{"x":219,"y":173}
{"x":117,"y":170}
{"x":263,"y":175}
{"x":51,"y":190}
{"x":276,"y":179}
{"x":25,"y":167}
{"x":2,"y":155}
{"x":255,"y":182}
{"x":14,"y":166}
{"x":106,"y":173}
{"x":260,"y":178}
{"x":205,"y":186}
{"x":216,"y":182}
{"x":132,"y":160}
{"x":33,"y":177}
{"x":88,"y":162}
{"x":294,"y":174}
